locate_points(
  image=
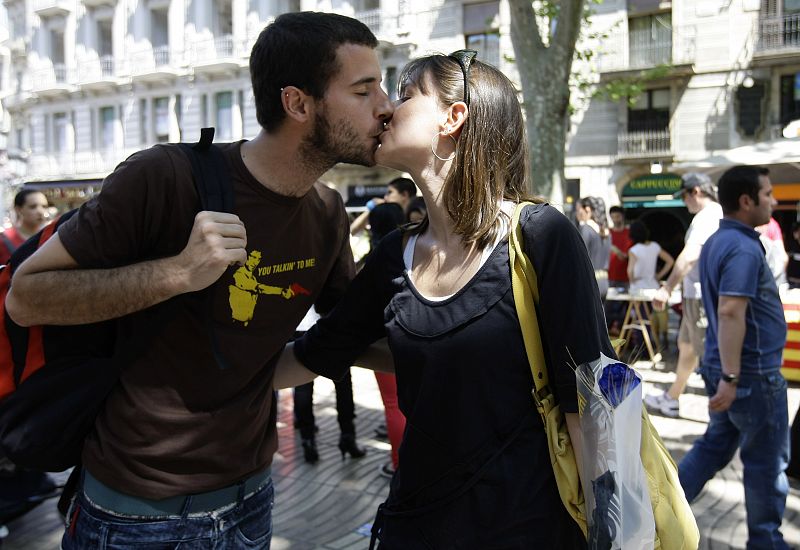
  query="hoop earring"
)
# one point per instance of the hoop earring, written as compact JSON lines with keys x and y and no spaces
{"x":455,"y":145}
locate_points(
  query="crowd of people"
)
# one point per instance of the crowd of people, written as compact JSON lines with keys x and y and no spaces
{"x":183,"y":446}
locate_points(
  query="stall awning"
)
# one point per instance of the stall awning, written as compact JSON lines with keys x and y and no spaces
{"x":781,"y":156}
{"x":652,"y":191}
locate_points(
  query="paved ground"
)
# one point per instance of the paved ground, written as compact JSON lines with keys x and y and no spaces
{"x":328,"y":505}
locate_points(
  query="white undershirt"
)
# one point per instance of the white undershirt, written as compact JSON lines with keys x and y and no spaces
{"x":408,"y":252}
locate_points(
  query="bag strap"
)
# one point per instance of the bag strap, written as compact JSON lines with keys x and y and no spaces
{"x":212,"y":180}
{"x":10,"y":246}
{"x":526,"y":294}
{"x":210,"y":173}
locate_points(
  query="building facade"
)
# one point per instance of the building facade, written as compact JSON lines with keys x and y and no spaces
{"x":726,"y":88}
{"x":85,"y":83}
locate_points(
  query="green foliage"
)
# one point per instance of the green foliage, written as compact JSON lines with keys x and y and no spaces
{"x":631,"y":87}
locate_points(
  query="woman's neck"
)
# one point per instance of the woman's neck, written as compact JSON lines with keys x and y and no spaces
{"x":440,"y":226}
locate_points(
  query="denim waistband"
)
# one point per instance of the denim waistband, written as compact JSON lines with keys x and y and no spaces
{"x":114,"y":501}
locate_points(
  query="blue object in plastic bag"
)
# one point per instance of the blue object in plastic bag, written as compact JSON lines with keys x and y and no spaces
{"x":617,"y":382}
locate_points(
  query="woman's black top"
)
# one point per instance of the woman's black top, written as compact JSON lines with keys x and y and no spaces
{"x":474,"y":465}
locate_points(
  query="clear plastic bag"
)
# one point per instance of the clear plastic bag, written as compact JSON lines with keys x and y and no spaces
{"x":618,"y":509}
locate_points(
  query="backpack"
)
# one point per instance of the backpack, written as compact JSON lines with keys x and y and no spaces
{"x":676,"y":528}
{"x":54,"y":379}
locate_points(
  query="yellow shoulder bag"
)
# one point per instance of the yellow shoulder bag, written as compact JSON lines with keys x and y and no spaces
{"x":676,"y":528}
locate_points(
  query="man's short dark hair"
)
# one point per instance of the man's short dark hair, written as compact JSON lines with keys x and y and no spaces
{"x":404,"y":185}
{"x":618,"y":209}
{"x":299,"y":49}
{"x":738,"y":181}
{"x":22,"y":196}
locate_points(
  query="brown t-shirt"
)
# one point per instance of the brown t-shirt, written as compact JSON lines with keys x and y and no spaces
{"x":177,"y":423}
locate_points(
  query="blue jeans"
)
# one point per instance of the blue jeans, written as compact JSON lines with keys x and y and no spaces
{"x":757,"y":423}
{"x":246,"y":524}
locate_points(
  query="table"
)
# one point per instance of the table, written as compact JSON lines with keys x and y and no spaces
{"x":637,"y":314}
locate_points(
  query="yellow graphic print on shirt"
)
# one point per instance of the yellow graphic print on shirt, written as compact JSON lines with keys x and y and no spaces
{"x":245,"y":290}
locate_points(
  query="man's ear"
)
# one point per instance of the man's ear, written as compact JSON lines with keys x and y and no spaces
{"x":296,"y":104}
{"x":745,"y":202}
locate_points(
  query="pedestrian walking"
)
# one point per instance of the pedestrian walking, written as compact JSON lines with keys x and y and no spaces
{"x":700,"y":196}
{"x":475,"y":469}
{"x":30,"y":212}
{"x":619,"y":234}
{"x":21,"y":490}
{"x":304,"y":419}
{"x":181,"y":450}
{"x":593,"y":227}
{"x":742,"y":361}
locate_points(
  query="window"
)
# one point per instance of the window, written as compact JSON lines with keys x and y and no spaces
{"x":107,"y":123}
{"x":791,"y":6}
{"x":57,"y":47}
{"x":204,"y":110}
{"x":60,"y":129}
{"x":650,"y":40}
{"x":161,"y":119}
{"x":143,"y":138}
{"x":368,"y":5}
{"x":650,"y":112}
{"x":481,"y":22}
{"x":159,"y":34}
{"x":223,"y":18}
{"x":224,"y":115}
{"x":104,"y":41}
{"x":18,"y":25}
{"x":240,"y":99}
{"x":293,"y":6}
{"x":790,"y":98}
{"x":487,"y":45}
{"x":391,"y":82}
{"x":179,"y":115}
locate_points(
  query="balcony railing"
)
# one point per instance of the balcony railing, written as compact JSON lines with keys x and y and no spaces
{"x":211,"y":50}
{"x":437,"y":22}
{"x":152,"y":59}
{"x":776,"y":34}
{"x":77,"y":163}
{"x":644,"y":144}
{"x":371,"y":18}
{"x":624,"y":50}
{"x":57,"y":76}
{"x":97,"y":69}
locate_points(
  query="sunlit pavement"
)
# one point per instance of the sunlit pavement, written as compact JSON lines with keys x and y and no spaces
{"x":329,"y":505}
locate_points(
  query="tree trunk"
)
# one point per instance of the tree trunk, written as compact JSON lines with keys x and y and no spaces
{"x":546,"y":129}
{"x":544,"y":75}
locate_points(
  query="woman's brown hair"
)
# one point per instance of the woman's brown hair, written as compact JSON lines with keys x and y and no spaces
{"x":491,"y":160}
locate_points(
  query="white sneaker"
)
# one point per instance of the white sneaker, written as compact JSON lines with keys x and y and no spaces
{"x":663,"y":404}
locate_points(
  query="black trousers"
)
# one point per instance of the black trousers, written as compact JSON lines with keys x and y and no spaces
{"x":304,"y":407}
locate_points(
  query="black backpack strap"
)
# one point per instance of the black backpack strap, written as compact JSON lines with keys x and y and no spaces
{"x":10,"y":246}
{"x":210,"y":173}
{"x":212,"y":180}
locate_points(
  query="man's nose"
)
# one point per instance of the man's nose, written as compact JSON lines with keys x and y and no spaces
{"x":385,"y":107}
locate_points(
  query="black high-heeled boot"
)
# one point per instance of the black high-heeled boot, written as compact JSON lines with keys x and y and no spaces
{"x":347,"y":444}
{"x":310,"y":453}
